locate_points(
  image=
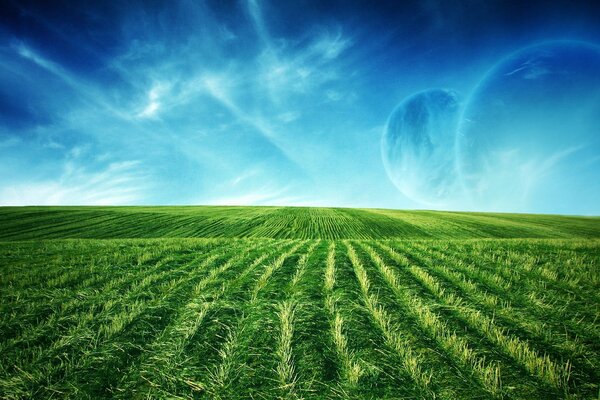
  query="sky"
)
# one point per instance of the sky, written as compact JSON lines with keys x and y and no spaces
{"x":247,"y":102}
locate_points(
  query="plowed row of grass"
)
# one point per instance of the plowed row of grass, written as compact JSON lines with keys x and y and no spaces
{"x":302,"y":318}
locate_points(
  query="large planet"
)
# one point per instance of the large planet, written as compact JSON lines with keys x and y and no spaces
{"x":417,"y":146}
{"x":529,"y":137}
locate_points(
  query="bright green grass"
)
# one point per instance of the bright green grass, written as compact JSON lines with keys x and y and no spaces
{"x":26,"y":223}
{"x":252,"y":302}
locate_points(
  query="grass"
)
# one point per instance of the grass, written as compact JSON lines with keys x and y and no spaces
{"x":28,"y":223}
{"x":297,"y":303}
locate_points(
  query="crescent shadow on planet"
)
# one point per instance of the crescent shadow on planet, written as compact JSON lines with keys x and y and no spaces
{"x":491,"y":71}
{"x":488,"y":76}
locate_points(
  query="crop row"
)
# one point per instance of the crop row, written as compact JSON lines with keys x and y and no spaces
{"x":297,"y":319}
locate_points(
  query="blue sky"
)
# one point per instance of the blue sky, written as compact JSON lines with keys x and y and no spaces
{"x":241,"y":102}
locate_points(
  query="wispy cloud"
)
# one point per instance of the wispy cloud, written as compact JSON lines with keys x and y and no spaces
{"x":88,"y":91}
{"x":264,"y":196}
{"x":153,"y":103}
{"x":173,"y":96}
{"x":259,"y":25}
{"x":117,"y":183}
{"x":330,"y":45}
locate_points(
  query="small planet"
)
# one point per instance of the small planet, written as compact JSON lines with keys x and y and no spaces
{"x":530,"y":131}
{"x":418,"y":146}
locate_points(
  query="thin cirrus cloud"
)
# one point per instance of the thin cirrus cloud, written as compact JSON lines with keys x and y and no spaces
{"x":115,"y":184}
{"x":243,"y":102}
{"x":158,"y":91}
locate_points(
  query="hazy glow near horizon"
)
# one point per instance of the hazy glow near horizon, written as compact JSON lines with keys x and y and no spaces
{"x":263,"y":102}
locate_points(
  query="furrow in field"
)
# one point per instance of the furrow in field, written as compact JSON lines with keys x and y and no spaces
{"x":301,"y":269}
{"x":530,"y":263}
{"x":350,"y":369}
{"x":39,"y":313}
{"x":571,"y":264}
{"x":394,"y":339}
{"x":51,"y":304}
{"x":232,"y":357}
{"x":444,"y":368}
{"x":542,"y":366}
{"x":533,"y":326}
{"x":165,"y":355}
{"x":508,"y":280}
{"x":201,"y":354}
{"x":94,"y":329}
{"x":317,"y":362}
{"x":26,"y":265}
{"x":544,"y":323}
{"x":46,"y":262}
{"x":286,"y":370}
{"x":271,"y":269}
{"x":79,"y":310}
{"x":312,"y":355}
{"x":434,"y":326}
{"x":123,"y":350}
{"x":382,"y":369}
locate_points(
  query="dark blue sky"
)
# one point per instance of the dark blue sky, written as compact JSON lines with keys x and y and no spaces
{"x":241,"y":102}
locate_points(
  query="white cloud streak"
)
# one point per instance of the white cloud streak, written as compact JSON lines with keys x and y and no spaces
{"x":118,"y":183}
{"x":264,"y":94}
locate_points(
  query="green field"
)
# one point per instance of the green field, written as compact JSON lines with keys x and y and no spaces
{"x":275,"y":302}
